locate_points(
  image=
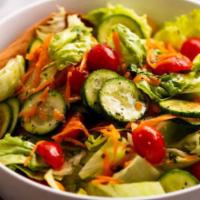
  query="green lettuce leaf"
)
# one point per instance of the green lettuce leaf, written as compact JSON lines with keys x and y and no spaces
{"x":94,"y":142}
{"x":98,"y":15}
{"x":177,"y":31}
{"x":177,"y":158}
{"x":69,"y":46}
{"x":13,"y":150}
{"x":133,"y":48}
{"x":39,"y":176}
{"x":170,"y":84}
{"x":55,"y":24}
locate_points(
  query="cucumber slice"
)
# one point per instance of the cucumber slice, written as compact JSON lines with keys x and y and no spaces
{"x":5,"y":118}
{"x":192,"y":121}
{"x":177,"y":179}
{"x":118,"y":99}
{"x":92,"y":86}
{"x":105,"y":28}
{"x":15,"y":106}
{"x":42,"y":126}
{"x":181,"y":107}
{"x":10,"y":76}
{"x":34,"y":45}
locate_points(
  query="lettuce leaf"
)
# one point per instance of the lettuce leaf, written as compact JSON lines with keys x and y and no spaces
{"x":69,"y":46}
{"x":39,"y":176}
{"x":13,"y":150}
{"x":98,"y":15}
{"x":55,"y":24}
{"x":177,"y":158}
{"x":133,"y":48}
{"x":177,"y":31}
{"x":169,"y":86}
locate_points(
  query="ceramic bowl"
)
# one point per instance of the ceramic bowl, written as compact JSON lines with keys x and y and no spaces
{"x":16,"y":187}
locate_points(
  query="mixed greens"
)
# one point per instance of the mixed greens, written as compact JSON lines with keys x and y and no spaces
{"x":98,"y":105}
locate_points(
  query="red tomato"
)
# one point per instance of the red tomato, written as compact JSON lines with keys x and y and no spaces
{"x":102,"y":56}
{"x":52,"y":154}
{"x":174,"y":64}
{"x":77,"y":79}
{"x":149,"y":143}
{"x":191,"y":47}
{"x":195,"y":170}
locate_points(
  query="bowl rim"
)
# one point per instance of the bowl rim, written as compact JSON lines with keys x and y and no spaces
{"x":70,"y":194}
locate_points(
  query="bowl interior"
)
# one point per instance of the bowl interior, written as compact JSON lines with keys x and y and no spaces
{"x":15,"y":24}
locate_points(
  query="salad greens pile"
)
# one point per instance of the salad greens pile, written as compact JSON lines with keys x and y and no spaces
{"x":98,"y":106}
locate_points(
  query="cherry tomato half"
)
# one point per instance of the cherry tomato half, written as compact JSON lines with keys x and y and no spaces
{"x":77,"y":79}
{"x":191,"y":47}
{"x":102,"y":56}
{"x":52,"y":154}
{"x":195,"y":170}
{"x":174,"y":64}
{"x":149,"y":143}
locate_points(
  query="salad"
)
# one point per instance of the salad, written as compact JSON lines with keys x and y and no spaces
{"x":105,"y":103}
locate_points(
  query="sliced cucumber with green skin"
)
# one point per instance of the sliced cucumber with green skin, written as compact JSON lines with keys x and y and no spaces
{"x":15,"y":106}
{"x":42,"y":126}
{"x":5,"y":118}
{"x":34,"y":45}
{"x":181,"y":107}
{"x":193,"y":121}
{"x":177,"y":179}
{"x":92,"y":86}
{"x":105,"y":28}
{"x":10,"y":76}
{"x":118,"y":99}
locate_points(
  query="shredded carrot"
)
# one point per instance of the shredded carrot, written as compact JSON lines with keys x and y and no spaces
{"x":107,"y":164}
{"x":68,"y":87}
{"x":28,"y":159}
{"x":60,"y":186}
{"x":156,"y":120}
{"x":116,"y":41}
{"x":111,"y":132}
{"x":83,"y":64}
{"x":44,"y":95}
{"x":42,"y":115}
{"x":58,"y":115}
{"x":74,"y":99}
{"x":165,"y":51}
{"x":41,"y":86}
{"x":75,"y":142}
{"x":41,"y":58}
{"x":29,"y":113}
{"x":141,"y":77}
{"x":105,"y":180}
{"x":73,"y":125}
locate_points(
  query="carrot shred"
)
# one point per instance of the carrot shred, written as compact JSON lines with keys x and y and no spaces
{"x":40,"y":57}
{"x":165,"y":51}
{"x":29,"y":113}
{"x":107,"y":164}
{"x":83,"y":64}
{"x":28,"y":159}
{"x":58,"y":115}
{"x":105,"y":180}
{"x":116,"y":41}
{"x":73,"y":125}
{"x":75,"y":142}
{"x":156,"y":120}
{"x":68,"y":87}
{"x":60,"y":186}
{"x":44,"y":95}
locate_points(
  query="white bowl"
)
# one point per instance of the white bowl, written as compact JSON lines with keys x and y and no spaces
{"x":16,"y":187}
